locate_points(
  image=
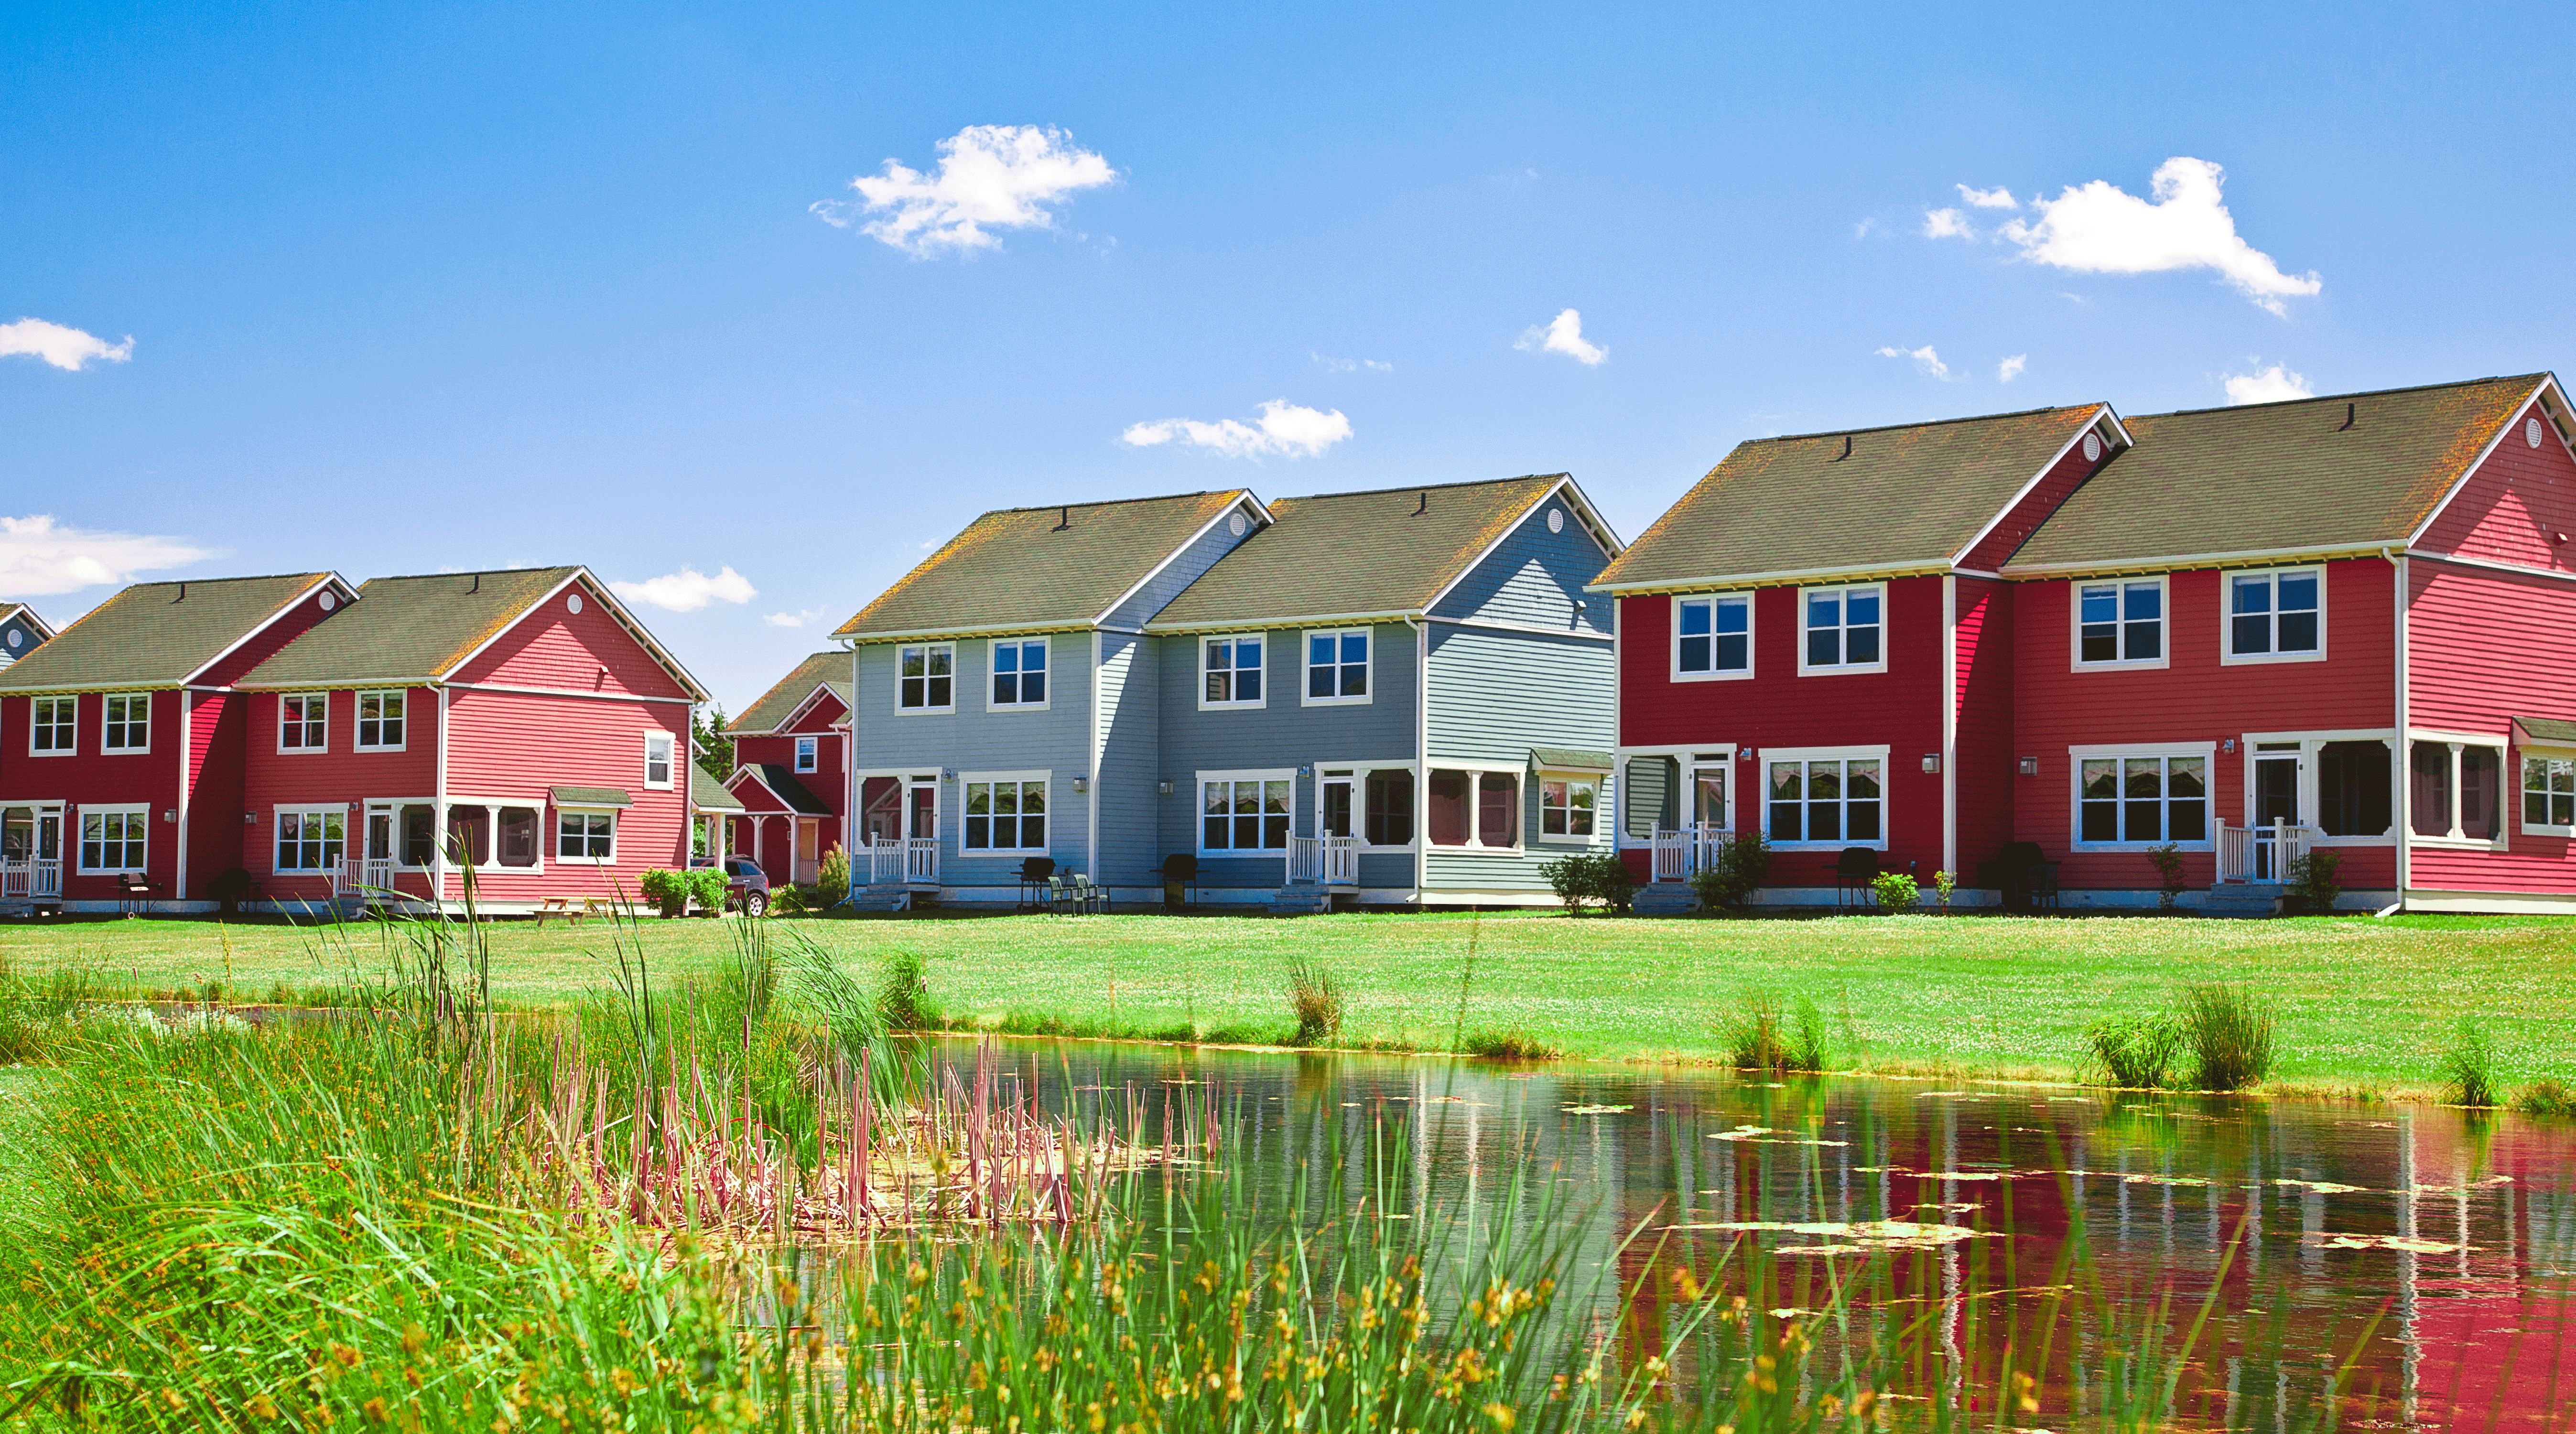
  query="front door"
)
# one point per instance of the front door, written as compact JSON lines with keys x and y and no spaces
{"x":921,"y":807}
{"x":1333,"y":797}
{"x":1708,"y":798}
{"x":2276,"y":799}
{"x":881,"y":810}
{"x":808,"y":857}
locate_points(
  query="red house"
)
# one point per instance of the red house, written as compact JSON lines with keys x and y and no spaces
{"x":120,"y":740}
{"x":791,"y":752}
{"x":518,"y":723}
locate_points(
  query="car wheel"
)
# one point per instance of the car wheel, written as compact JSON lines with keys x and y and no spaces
{"x":755,"y":904}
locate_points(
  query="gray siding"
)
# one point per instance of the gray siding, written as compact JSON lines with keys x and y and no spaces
{"x":1536,"y":577}
{"x":1131,"y":735}
{"x":1193,"y":562}
{"x":1494,"y":696}
{"x":1653,"y":797}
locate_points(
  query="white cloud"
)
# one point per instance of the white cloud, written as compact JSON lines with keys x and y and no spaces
{"x":792,"y":619}
{"x":1946,"y":224}
{"x":1995,"y":198}
{"x":2267,"y":385}
{"x":989,"y":177}
{"x":62,"y":347}
{"x":39,"y":557}
{"x":2011,"y":368}
{"x":1283,"y":428}
{"x":1563,"y":335}
{"x":688,"y":589}
{"x":1861,"y":230}
{"x":1330,"y":364}
{"x":2098,"y":229}
{"x":1923,"y":357}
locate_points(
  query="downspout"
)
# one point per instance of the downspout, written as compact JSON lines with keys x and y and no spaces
{"x":1091,"y":798}
{"x":179,"y":864}
{"x":1950,"y":723}
{"x":2402,"y":777}
{"x":1421,"y":762}
{"x":438,"y":814}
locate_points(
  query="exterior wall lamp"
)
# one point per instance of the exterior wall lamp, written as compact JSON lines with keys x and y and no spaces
{"x":1164,"y":787}
{"x":1931,"y":762}
{"x":2030,"y":766}
{"x":1082,"y":784}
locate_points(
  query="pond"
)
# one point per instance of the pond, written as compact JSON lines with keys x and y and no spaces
{"x":2425,"y":1253}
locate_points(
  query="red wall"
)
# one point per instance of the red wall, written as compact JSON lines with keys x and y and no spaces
{"x":557,"y":648}
{"x":216,"y":725}
{"x":2514,"y":507}
{"x":2023,"y":518}
{"x":337,"y":775}
{"x":89,"y":776}
{"x":2462,"y":678}
{"x":1984,"y":609}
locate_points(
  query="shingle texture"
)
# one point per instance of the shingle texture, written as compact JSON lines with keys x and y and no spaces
{"x":781,"y":780}
{"x":1038,"y":567}
{"x":707,"y":794}
{"x":775,"y":706}
{"x":2277,"y":476}
{"x":1905,"y":497}
{"x":407,"y":629}
{"x":156,"y":634}
{"x":1343,"y":554}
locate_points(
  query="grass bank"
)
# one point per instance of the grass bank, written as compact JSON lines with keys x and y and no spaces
{"x":2363,"y":1004}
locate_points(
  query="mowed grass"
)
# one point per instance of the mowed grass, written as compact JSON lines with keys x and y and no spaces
{"x":2364,"y":1004}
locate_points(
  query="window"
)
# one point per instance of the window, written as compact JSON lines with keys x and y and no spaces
{"x":1475,"y":808}
{"x":128,"y":727}
{"x":310,"y":838}
{"x":2549,"y":795}
{"x":380,"y":721}
{"x":1498,"y":809}
{"x":1337,"y":667}
{"x":56,"y":729}
{"x":1828,"y":801}
{"x":1020,"y":673}
{"x":1842,"y":629}
{"x":2454,"y":790}
{"x":1233,"y":673}
{"x":2120,"y":623}
{"x":113,"y":838}
{"x":657,"y":760}
{"x":303,"y":722}
{"x":419,"y":834}
{"x":1244,"y":814}
{"x":586,"y":837}
{"x":2148,"y":800}
{"x":518,"y":843}
{"x":929,"y":679}
{"x":2355,"y":789}
{"x":1565,"y":805}
{"x":1390,"y":808}
{"x":1450,"y":796}
{"x":469,"y":836}
{"x":1006,"y":815}
{"x":2276,"y":616}
{"x":808,"y":751}
{"x":1712,"y":637}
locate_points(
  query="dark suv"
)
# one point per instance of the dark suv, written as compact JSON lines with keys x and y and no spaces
{"x":746,"y":885}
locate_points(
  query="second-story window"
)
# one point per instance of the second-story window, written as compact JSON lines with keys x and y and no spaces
{"x":56,"y":729}
{"x":808,"y":753}
{"x":1842,"y":629}
{"x":928,"y":681}
{"x":1020,"y":673}
{"x":303,"y":721}
{"x":1713,"y":637}
{"x":1232,"y":671}
{"x":1337,"y":667}
{"x":2120,"y":622}
{"x":658,"y":748}
{"x":380,"y":721}
{"x":128,"y":727}
{"x":2276,"y":615}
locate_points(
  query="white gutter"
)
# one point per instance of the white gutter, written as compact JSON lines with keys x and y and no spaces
{"x":1421,"y":762}
{"x":1950,"y":723}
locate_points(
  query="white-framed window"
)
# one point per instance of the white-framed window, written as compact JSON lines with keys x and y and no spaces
{"x":2276,"y":616}
{"x":1568,"y":805}
{"x":1230,"y":671}
{"x":1712,"y":638}
{"x":113,"y":839}
{"x":2548,"y":794}
{"x":1473,"y":807}
{"x":1842,"y":629}
{"x":2455,"y":789}
{"x":311,"y":839}
{"x":1245,"y":813}
{"x":55,"y":728}
{"x":1826,"y":798}
{"x":587,"y":836}
{"x":2120,"y":623}
{"x":1020,"y":674}
{"x":2139,"y":797}
{"x":1337,"y":667}
{"x":658,"y":750}
{"x":926,"y":677}
{"x":809,"y":753}
{"x":127,"y":723}
{"x":380,"y":721}
{"x":303,"y":721}
{"x":1005,"y":812}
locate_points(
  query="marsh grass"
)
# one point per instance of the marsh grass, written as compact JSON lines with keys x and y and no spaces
{"x":1515,"y":1046}
{"x":1762,"y":1035}
{"x":2545,"y":1097}
{"x":1314,"y":1000}
{"x":2469,"y":1066}
{"x":2135,"y":1052}
{"x":2228,"y":1030}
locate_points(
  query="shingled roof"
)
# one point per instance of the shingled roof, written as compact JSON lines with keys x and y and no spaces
{"x":1871,"y":500}
{"x":1026,"y":569}
{"x":2278,"y":478}
{"x":159,"y":634}
{"x":1374,"y":554}
{"x":774,"y":707}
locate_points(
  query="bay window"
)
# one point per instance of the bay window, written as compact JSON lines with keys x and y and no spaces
{"x":1819,"y":800}
{"x":1712,"y":637}
{"x":2548,"y":795}
{"x":1841,"y":629}
{"x":2276,"y":616}
{"x":1566,"y":803}
{"x":2120,"y":623}
{"x":586,"y":837}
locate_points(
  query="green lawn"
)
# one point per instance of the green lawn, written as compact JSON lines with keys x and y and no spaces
{"x":2364,"y":1004}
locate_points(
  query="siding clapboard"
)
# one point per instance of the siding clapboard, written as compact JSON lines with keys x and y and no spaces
{"x":2458,"y":682}
{"x":1494,"y":696}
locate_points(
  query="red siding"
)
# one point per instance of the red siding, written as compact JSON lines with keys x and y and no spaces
{"x":290,"y":625}
{"x":216,"y":723}
{"x":91,"y":777}
{"x":2062,"y":478}
{"x":1984,"y":699}
{"x":2461,"y":678}
{"x":557,"y":648}
{"x":336,"y":775}
{"x":2518,"y":507}
{"x":508,"y":746}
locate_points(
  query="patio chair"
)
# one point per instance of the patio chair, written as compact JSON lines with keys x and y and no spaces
{"x":1087,"y":897}
{"x":1181,"y":874}
{"x":2042,"y":881}
{"x":1033,"y":880}
{"x":1854,"y":870}
{"x":136,"y":890}
{"x":1059,"y":894}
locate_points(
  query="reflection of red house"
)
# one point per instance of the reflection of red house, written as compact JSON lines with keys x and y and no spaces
{"x":791,"y":769}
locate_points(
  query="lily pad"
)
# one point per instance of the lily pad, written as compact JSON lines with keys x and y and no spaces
{"x":1852,"y":1237}
{"x":1598,"y":1109}
{"x":2404,"y":1244}
{"x":1764,"y":1135}
{"x":2321,"y":1187}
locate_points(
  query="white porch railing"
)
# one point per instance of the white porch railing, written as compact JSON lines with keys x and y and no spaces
{"x":901,"y":859}
{"x":2261,"y":853}
{"x":1329,"y":860}
{"x":921,"y":859}
{"x":31,"y":880}
{"x":361,"y":876}
{"x":1678,"y":854}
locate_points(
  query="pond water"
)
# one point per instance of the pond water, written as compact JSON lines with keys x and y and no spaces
{"x":2425,"y":1251}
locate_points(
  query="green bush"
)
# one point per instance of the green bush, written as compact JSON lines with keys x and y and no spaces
{"x":707,"y":887}
{"x":1735,"y":872}
{"x":2469,"y":1069}
{"x":903,"y":998}
{"x":1759,"y":1036}
{"x":2229,"y":1032}
{"x":666,"y":889}
{"x":1895,"y":892}
{"x":2545,"y":1097}
{"x":2312,"y":881}
{"x":834,"y":876}
{"x":1508,"y":1046}
{"x":2136,"y":1052}
{"x":1592,"y":876}
{"x":1315,"y":999}
{"x":2168,"y":864}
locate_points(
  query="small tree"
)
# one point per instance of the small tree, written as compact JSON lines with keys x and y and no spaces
{"x":1595,"y":876}
{"x":2168,"y":863}
{"x":1896,"y":892}
{"x":833,"y":875}
{"x":714,"y":748}
{"x":2312,"y":880}
{"x":1944,"y":884}
{"x":1734,"y":872}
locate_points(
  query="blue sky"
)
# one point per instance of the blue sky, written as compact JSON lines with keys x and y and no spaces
{"x":411,"y":288}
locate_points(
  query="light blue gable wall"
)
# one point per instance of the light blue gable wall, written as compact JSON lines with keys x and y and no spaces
{"x":1131,"y":736}
{"x":1535,"y":577}
{"x":28,"y":638}
{"x":1185,"y":569}
{"x":1494,"y":696}
{"x":1283,"y":733}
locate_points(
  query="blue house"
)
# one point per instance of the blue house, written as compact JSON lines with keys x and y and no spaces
{"x":21,"y":631}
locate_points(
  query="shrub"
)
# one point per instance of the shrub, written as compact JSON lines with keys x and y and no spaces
{"x":903,"y":998}
{"x":707,"y":887}
{"x":1315,"y":999}
{"x":786,"y":901}
{"x":2136,"y":1052}
{"x":2469,"y":1069}
{"x":834,"y":876}
{"x":666,"y":889}
{"x":2545,"y":1097}
{"x":1514,"y":1045}
{"x":2168,"y":863}
{"x":230,"y":888}
{"x":2312,"y":881}
{"x":2229,"y":1032}
{"x":1895,"y":891}
{"x":1735,"y":872}
{"x":1594,"y":876}
{"x":1944,"y":884}
{"x":1758,"y":1036}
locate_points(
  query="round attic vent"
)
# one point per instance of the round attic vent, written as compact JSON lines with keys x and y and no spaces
{"x":2531,"y":431}
{"x":573,"y":603}
{"x":1556,"y":520}
{"x":2092,"y":448}
{"x":329,"y":602}
{"x":17,"y":638}
{"x":1236,"y":525}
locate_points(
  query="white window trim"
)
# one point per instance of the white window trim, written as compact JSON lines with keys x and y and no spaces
{"x":1598,"y":781}
{"x":1198,"y":807}
{"x":1005,"y":853}
{"x":357,"y":711}
{"x":1674,"y":655}
{"x":284,"y":750}
{"x":1841,"y":669}
{"x":2311,"y":749}
{"x":1359,"y":800}
{"x":670,"y":763}
{"x":277,"y":833}
{"x":2164,"y":628}
{"x":71,"y":751}
{"x":1306,"y":667}
{"x":2499,"y":743}
{"x":808,"y":753}
{"x":954,"y":675}
{"x":1476,"y":772}
{"x":2513,"y":759}
{"x":2227,"y":616}
{"x":2211,"y":819}
{"x":1764,"y":757}
{"x":1199,"y":671}
{"x":552,"y":816}
{"x":989,"y":673}
{"x":80,"y":854}
{"x":105,"y":750}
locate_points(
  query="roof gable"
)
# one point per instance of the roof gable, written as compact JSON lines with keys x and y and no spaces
{"x":779,"y":785}
{"x":163,"y":634}
{"x":790,"y":695}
